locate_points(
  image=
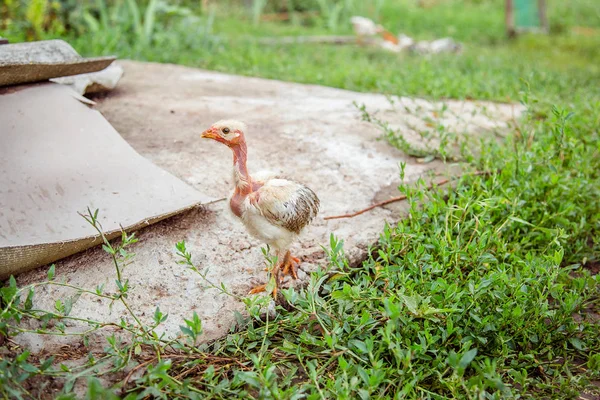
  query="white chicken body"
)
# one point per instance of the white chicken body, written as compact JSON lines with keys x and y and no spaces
{"x":364,"y":26}
{"x":277,"y":212}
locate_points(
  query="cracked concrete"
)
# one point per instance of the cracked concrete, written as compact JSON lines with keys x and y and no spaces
{"x":309,"y":133}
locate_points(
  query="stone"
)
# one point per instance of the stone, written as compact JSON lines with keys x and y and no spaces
{"x":39,"y":61}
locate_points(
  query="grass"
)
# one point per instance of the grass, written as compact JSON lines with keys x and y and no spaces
{"x":558,"y":68}
{"x":487,"y":290}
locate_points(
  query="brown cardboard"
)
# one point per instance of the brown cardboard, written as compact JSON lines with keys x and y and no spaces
{"x":58,"y":157}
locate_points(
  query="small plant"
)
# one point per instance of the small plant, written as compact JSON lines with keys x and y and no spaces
{"x":19,"y":315}
{"x":428,"y":153}
{"x":187,"y":260}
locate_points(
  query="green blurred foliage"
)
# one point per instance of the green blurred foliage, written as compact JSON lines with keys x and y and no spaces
{"x":34,"y":17}
{"x":38,"y":19}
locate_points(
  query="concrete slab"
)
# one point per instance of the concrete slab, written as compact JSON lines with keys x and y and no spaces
{"x":310,"y":133}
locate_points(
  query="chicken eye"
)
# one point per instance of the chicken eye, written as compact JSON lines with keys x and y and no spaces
{"x":225,"y":130}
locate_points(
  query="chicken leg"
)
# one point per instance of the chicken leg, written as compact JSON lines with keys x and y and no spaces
{"x":287,"y":266}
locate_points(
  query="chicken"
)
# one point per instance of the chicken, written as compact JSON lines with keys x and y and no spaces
{"x":365,"y":27}
{"x":273,"y":210}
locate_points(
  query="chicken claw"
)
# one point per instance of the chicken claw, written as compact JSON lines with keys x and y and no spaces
{"x":262,"y":288}
{"x":258,"y":289}
{"x":274,"y":282}
{"x":289,"y":265}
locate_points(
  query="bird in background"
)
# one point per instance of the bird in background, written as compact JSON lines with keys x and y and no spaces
{"x":365,"y":27}
{"x":273,"y":210}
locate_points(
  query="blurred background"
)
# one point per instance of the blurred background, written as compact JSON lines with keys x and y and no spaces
{"x":226,"y":36}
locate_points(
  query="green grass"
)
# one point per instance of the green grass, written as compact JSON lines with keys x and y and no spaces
{"x":559,"y":68}
{"x":487,"y":290}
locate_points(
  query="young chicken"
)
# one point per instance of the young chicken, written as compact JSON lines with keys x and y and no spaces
{"x":273,"y":210}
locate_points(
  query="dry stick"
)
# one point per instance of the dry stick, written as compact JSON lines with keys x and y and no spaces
{"x":174,"y":356}
{"x":136,"y":368}
{"x":403,"y":197}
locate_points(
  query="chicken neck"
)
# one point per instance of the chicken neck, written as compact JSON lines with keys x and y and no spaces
{"x":241,"y":177}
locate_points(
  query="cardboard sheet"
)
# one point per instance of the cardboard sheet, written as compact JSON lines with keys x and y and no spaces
{"x":57,"y":157}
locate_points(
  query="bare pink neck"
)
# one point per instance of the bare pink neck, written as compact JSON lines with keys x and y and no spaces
{"x":241,"y":177}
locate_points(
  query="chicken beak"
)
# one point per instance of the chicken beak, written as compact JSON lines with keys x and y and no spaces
{"x":210,"y":133}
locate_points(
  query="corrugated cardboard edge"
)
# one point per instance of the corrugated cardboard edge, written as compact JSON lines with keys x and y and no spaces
{"x":13,"y":74}
{"x":17,"y":259}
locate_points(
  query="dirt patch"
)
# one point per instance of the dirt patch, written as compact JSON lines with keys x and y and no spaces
{"x":593,"y":267}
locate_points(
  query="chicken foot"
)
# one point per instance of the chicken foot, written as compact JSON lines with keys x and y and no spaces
{"x":288,"y":266}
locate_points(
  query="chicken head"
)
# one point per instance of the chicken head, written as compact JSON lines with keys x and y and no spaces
{"x":228,"y":132}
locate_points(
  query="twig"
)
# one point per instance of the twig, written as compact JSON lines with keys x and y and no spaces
{"x":403,"y":196}
{"x":213,"y":201}
{"x":136,"y":368}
